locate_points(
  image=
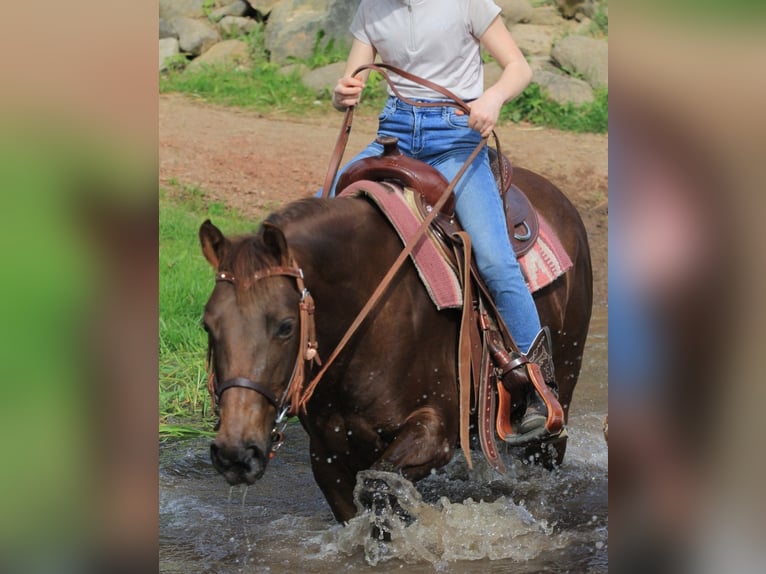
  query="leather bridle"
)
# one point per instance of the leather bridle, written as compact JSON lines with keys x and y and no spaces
{"x":307,"y":349}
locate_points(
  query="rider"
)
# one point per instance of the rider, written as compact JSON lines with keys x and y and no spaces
{"x":441,"y":41}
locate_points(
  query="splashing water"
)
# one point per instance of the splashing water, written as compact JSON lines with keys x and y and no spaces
{"x":443,"y":532}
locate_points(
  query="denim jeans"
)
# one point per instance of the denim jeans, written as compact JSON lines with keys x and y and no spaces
{"x":442,"y":139}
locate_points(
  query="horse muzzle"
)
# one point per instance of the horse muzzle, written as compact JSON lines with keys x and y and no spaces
{"x":241,"y":464}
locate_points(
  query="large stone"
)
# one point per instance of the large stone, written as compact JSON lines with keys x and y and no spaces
{"x":166,"y":29}
{"x":570,"y":8}
{"x":230,"y":8}
{"x":195,"y":36}
{"x":515,"y":11}
{"x":170,"y":9}
{"x":168,"y":48}
{"x":294,"y":25}
{"x":232,"y":53}
{"x":323,"y":79}
{"x":588,"y":57}
{"x":533,"y":39}
{"x":236,"y":26}
{"x":545,"y":16}
{"x":563,"y":89}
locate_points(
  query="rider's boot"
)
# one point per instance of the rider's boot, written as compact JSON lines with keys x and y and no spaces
{"x":535,"y":411}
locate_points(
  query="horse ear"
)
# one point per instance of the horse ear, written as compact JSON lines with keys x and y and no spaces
{"x":213,"y":243}
{"x":275,"y":241}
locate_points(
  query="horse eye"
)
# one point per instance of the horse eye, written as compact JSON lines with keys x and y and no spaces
{"x":285,"y":328}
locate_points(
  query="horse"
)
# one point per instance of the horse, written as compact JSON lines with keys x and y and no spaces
{"x":390,"y":399}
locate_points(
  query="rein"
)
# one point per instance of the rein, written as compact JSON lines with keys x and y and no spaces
{"x":307,"y":351}
{"x":425,"y":224}
{"x":345,"y":130}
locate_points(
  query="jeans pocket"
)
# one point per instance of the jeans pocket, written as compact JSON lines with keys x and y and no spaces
{"x":388,"y":109}
{"x":457,"y":120}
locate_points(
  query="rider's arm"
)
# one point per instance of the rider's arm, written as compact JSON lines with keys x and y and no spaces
{"x":348,"y":90}
{"x":515,"y":77}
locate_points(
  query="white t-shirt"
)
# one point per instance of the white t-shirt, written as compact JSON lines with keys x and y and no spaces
{"x":434,"y":39}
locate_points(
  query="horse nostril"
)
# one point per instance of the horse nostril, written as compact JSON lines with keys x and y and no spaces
{"x":242,"y":460}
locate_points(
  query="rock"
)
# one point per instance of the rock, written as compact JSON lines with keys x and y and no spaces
{"x":323,"y":79}
{"x":515,"y":11}
{"x":588,"y":57}
{"x":543,"y":63}
{"x":294,"y":24}
{"x":168,"y":48}
{"x":170,"y":9}
{"x":563,"y":89}
{"x":231,"y":8}
{"x":195,"y":36}
{"x":166,"y":29}
{"x":232,"y":53}
{"x":570,"y":8}
{"x":545,"y":16}
{"x":534,"y":39}
{"x":236,"y":26}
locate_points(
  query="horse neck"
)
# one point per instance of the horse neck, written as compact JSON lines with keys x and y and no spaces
{"x":344,"y":252}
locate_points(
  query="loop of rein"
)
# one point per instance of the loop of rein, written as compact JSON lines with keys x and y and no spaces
{"x":345,"y":130}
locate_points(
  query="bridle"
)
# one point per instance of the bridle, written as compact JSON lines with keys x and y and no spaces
{"x":307,"y":352}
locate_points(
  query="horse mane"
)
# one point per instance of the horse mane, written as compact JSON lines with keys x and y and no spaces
{"x":248,"y":253}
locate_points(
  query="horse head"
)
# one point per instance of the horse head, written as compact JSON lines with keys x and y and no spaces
{"x":253,"y":320}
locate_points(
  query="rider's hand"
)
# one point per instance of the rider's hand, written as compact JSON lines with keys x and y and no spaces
{"x":347,"y":92}
{"x":484,"y":113}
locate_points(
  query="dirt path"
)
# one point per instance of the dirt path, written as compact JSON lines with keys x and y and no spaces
{"x":256,"y":163}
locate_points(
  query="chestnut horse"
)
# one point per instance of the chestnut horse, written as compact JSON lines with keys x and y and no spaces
{"x":390,"y":400}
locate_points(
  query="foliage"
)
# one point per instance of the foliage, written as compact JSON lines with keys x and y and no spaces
{"x":323,"y":55}
{"x":264,"y":87}
{"x":176,"y":62}
{"x":535,"y":107}
{"x":185,"y":284}
{"x":600,"y":21}
{"x":207,"y":7}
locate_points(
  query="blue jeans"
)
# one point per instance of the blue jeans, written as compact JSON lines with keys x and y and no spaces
{"x":442,"y":139}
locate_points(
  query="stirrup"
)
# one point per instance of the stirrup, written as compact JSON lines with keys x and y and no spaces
{"x":539,"y":368}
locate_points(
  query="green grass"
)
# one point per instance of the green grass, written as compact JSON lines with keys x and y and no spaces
{"x":533,"y":106}
{"x":186,"y":280}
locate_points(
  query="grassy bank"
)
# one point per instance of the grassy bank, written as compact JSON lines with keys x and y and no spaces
{"x":267,"y":88}
{"x":186,"y":280}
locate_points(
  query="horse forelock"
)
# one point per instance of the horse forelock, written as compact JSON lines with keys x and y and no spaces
{"x":248,"y":254}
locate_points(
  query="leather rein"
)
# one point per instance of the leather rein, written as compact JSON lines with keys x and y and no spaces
{"x":307,"y":351}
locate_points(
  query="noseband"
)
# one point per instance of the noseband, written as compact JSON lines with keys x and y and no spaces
{"x":307,"y":349}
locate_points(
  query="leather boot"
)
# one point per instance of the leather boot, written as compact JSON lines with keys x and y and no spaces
{"x":516,"y":380}
{"x":539,"y":353}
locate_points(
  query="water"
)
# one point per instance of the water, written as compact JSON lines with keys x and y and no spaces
{"x":531,"y":520}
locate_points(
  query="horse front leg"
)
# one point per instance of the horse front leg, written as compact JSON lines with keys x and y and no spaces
{"x":426,"y":441}
{"x":335,"y":480}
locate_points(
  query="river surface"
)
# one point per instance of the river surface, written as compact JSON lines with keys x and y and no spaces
{"x":530,"y":520}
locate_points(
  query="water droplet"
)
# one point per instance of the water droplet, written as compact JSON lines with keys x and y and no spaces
{"x":329,"y":460}
{"x":337,"y":429}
